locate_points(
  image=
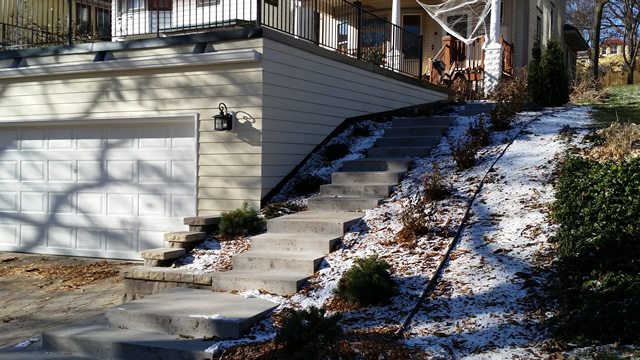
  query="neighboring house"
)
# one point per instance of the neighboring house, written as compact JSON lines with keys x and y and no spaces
{"x":106,"y":145}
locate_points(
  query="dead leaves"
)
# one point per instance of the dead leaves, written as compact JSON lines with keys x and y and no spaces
{"x":66,"y":277}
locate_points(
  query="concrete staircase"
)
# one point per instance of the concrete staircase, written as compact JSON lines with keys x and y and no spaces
{"x":165,"y":325}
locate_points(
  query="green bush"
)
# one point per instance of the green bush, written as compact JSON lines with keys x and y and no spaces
{"x":548,"y":82}
{"x":373,"y":56}
{"x":307,"y":185}
{"x":597,"y":285}
{"x":307,"y":334}
{"x":368,"y":282}
{"x":335,"y":151}
{"x":278,"y":209}
{"x":240,"y":222}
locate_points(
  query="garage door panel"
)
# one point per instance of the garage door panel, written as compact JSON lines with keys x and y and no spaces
{"x":104,"y":190}
{"x":8,"y":170}
{"x":9,"y":234}
{"x":60,"y":237}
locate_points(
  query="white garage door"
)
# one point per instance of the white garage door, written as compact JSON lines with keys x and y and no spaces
{"x":106,"y":190}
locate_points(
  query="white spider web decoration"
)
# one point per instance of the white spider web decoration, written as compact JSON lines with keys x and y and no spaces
{"x":466,"y":20}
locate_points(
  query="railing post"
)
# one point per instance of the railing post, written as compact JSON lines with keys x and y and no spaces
{"x":421,"y":39}
{"x":259,"y":13}
{"x":69,"y":22}
{"x":3,"y":35}
{"x":158,"y":20}
{"x":358,"y":5}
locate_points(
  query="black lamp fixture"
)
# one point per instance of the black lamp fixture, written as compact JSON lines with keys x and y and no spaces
{"x":224,"y":120}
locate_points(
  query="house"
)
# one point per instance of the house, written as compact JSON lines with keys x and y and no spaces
{"x":107,"y":140}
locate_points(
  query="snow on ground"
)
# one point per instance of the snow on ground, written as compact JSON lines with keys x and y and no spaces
{"x":481,"y":307}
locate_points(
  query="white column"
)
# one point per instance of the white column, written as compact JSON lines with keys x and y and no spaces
{"x":493,"y":51}
{"x":393,"y":57}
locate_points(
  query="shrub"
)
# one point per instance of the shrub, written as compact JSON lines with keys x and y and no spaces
{"x":415,"y":219}
{"x":374,"y":56}
{"x":361,"y":131}
{"x":335,"y":151}
{"x":278,"y":209}
{"x":548,"y":82}
{"x":598,"y":276}
{"x":307,"y":185}
{"x":368,"y":282}
{"x":464,"y":90}
{"x":510,"y":96}
{"x":435,"y":185}
{"x":480,"y":135}
{"x":240,"y":222}
{"x":306,"y":334}
{"x":464,"y":154}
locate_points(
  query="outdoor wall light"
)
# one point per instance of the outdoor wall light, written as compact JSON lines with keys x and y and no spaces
{"x":224,"y":120}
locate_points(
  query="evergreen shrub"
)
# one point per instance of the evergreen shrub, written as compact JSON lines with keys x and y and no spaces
{"x":307,"y":334}
{"x":336,"y":151}
{"x":240,"y":222}
{"x":548,"y":82}
{"x":368,"y":282}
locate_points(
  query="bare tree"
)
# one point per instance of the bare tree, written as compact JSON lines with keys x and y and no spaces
{"x":598,"y":6}
{"x":622,"y":20}
{"x":580,"y":15}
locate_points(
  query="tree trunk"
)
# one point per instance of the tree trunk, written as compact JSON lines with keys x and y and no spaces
{"x":595,"y":36}
{"x":632,"y":69}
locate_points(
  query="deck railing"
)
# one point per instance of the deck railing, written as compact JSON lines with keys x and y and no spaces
{"x":337,"y":25}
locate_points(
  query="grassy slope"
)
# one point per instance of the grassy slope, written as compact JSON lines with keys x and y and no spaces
{"x":624,"y":105}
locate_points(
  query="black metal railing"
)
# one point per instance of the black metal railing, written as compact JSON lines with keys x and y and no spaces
{"x":332,"y":24}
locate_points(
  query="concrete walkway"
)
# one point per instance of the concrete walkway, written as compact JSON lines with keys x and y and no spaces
{"x":31,"y":305}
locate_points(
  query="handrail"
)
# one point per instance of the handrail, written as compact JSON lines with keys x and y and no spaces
{"x":507,"y":56}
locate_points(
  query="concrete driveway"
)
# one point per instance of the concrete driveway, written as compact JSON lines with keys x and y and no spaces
{"x":41,"y":292}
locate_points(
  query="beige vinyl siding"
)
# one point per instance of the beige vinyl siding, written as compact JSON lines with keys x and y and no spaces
{"x":306,"y":96}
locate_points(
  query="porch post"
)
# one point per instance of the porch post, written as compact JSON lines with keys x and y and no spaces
{"x":396,"y":36}
{"x":493,"y":51}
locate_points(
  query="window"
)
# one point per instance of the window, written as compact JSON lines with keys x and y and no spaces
{"x":135,"y":4}
{"x":614,"y":50}
{"x":162,"y":5}
{"x":374,"y":33}
{"x":208,"y":2}
{"x":103,"y":22}
{"x":552,"y":22}
{"x":411,"y":44}
{"x":83,"y":19}
{"x":539,"y":28}
{"x":501,"y":12}
{"x":604,"y":50}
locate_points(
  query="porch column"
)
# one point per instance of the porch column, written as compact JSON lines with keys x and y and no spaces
{"x":493,"y":51}
{"x":396,"y":36}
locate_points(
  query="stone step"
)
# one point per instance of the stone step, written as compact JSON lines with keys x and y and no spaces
{"x":408,"y":141}
{"x":314,"y":222}
{"x":191,"y":312}
{"x":367,"y":177}
{"x":273,"y":260}
{"x":343,"y":203}
{"x":471,"y":109}
{"x":409,"y":152}
{"x":295,"y":242}
{"x":184,"y":239}
{"x":376,"y":164}
{"x":97,"y":339}
{"x":366,"y":190}
{"x":161,"y":256}
{"x":204,"y":224}
{"x":276,"y":282}
{"x":423,"y":121}
{"x":414,"y":131}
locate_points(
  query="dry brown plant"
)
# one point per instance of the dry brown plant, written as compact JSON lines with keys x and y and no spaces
{"x":621,"y":141}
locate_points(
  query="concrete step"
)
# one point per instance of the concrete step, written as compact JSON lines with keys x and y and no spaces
{"x":471,"y":109}
{"x":35,"y":351}
{"x":191,"y":312}
{"x":343,"y":203}
{"x":161,"y":256}
{"x":409,"y":152}
{"x":97,"y":339}
{"x":376,"y":164}
{"x":295,"y":242}
{"x":366,"y":190}
{"x":414,"y":131}
{"x":270,"y":260}
{"x":276,"y":282}
{"x":408,"y":141}
{"x":315,"y":222}
{"x":367,"y":177}
{"x":422,"y":121}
